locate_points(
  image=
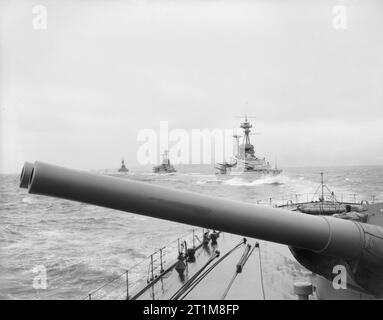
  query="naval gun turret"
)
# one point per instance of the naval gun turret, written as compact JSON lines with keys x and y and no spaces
{"x":318,"y":242}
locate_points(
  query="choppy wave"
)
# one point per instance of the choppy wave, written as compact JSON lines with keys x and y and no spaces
{"x":297,"y":185}
{"x":207,"y":179}
{"x":27,"y":200}
{"x":352,"y":180}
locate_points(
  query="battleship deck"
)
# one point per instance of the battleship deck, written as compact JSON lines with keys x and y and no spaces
{"x":267,"y":268}
{"x":247,"y":284}
{"x":269,"y":272}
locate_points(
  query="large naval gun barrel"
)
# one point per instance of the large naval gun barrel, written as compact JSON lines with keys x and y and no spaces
{"x":320,"y":235}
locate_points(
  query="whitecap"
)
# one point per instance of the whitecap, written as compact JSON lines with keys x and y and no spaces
{"x":28,"y":200}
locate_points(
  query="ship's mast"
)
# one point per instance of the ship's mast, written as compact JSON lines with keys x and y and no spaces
{"x":246,"y":126}
{"x":165,"y":158}
{"x":322,"y":185}
{"x":248,"y":147}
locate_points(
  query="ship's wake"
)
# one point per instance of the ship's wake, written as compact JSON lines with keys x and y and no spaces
{"x":241,"y":181}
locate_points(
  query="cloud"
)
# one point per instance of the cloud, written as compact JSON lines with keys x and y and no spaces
{"x":104,"y":70}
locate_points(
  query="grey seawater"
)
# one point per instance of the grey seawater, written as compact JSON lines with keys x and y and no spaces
{"x":83,"y":246}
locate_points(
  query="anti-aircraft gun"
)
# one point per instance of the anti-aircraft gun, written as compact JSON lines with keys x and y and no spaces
{"x":318,"y":242}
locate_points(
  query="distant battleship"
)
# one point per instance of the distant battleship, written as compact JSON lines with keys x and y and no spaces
{"x":246,"y":161}
{"x":165,"y":166}
{"x":123,"y":167}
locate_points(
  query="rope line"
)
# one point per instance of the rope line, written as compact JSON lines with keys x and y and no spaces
{"x":199,"y":276}
{"x":245,"y":256}
{"x":176,"y":295}
{"x":210,"y":269}
{"x":260,"y":269}
{"x":229,"y":286}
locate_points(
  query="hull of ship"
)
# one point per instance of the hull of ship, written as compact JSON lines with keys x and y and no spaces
{"x":164,"y":169}
{"x":250,"y":174}
{"x":253,"y":168}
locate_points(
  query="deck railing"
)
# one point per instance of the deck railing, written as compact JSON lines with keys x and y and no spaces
{"x":308,"y":197}
{"x":125,"y":284}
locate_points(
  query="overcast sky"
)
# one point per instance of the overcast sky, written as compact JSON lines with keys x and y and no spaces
{"x":77,"y":93}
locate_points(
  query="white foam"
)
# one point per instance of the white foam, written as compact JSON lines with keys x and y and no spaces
{"x":28,"y":200}
{"x":239,"y":181}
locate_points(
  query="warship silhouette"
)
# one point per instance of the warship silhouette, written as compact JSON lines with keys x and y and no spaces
{"x":245,"y":161}
{"x":223,"y":259}
{"x":123,"y":167}
{"x":165,"y":166}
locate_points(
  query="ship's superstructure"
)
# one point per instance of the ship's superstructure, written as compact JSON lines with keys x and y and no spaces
{"x":245,"y":161}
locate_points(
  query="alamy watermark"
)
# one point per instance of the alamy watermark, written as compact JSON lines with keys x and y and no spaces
{"x":39,"y":17}
{"x":340,"y":279}
{"x":339,"y":17}
{"x":40,"y":281}
{"x":195,"y":146}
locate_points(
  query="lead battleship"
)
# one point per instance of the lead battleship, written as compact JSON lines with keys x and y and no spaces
{"x":245,"y":161}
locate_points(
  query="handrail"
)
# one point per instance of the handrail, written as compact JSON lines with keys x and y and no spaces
{"x":156,"y":265}
{"x":297,"y":198}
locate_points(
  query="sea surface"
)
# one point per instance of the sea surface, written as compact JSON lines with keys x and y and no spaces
{"x":81,"y":247}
